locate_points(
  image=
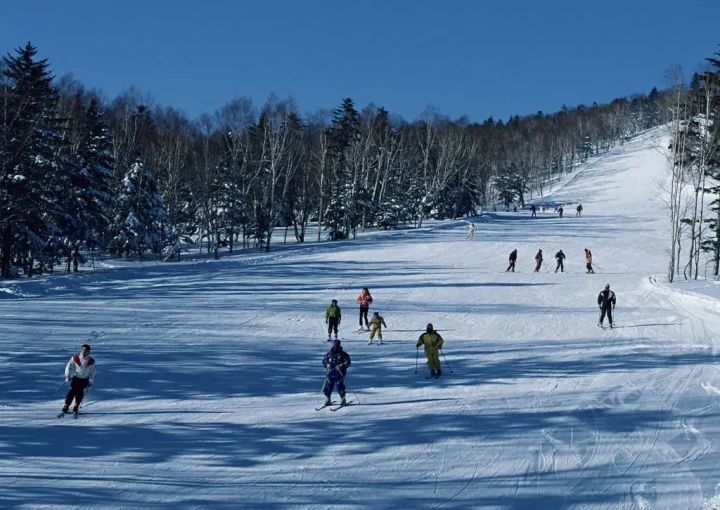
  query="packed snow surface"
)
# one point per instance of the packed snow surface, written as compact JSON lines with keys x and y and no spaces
{"x":209,"y":372}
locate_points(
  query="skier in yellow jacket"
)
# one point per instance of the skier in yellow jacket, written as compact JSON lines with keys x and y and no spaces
{"x":376,"y":325}
{"x":433,"y":342}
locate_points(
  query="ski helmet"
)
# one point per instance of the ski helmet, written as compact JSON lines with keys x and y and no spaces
{"x":429,"y":328}
{"x":334,"y":301}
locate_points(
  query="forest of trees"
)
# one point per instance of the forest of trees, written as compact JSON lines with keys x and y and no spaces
{"x":80,"y":174}
{"x":694,"y":157}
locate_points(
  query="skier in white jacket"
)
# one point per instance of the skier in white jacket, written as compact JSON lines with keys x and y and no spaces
{"x":79,"y":374}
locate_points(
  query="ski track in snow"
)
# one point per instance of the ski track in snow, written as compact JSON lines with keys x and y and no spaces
{"x":208,"y":372}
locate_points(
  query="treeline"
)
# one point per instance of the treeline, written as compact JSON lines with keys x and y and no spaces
{"x":129,"y":178}
{"x":694,"y":189}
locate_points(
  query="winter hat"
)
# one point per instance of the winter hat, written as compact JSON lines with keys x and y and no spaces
{"x":607,"y":286}
{"x":334,"y":301}
{"x":429,"y":328}
{"x":376,"y":313}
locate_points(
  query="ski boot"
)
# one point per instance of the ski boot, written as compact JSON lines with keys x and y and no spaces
{"x":327,"y":401}
{"x":75,"y":412}
{"x":343,"y":402}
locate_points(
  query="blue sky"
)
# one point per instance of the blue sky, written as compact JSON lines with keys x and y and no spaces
{"x":474,"y":58}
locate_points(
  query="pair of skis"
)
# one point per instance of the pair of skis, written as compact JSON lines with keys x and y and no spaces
{"x":63,"y":413}
{"x":334,"y":407}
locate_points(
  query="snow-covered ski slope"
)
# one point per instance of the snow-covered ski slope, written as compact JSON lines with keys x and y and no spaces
{"x":209,"y":373}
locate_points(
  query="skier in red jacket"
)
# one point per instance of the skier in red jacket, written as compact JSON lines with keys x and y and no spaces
{"x":364,"y":300}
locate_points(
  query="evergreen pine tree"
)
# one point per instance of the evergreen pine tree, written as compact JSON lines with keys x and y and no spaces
{"x":341,"y":215}
{"x":93,"y":182}
{"x":139,"y":213}
{"x":31,"y":174}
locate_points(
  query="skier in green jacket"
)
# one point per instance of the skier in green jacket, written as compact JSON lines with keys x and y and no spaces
{"x":333,"y":315}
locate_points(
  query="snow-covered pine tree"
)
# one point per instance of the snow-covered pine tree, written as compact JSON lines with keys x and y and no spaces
{"x":341,"y":213}
{"x":30,"y":166}
{"x":93,"y":182}
{"x":139,"y":213}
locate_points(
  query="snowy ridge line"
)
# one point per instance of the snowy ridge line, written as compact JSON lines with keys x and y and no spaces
{"x":703,"y":298}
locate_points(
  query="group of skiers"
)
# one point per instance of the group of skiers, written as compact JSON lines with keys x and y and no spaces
{"x":560,"y":210}
{"x":559,"y":257}
{"x":333,"y":316}
{"x":336,"y":361}
{"x":80,"y":369}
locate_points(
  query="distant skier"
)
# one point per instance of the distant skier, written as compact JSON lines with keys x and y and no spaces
{"x":579,"y":210}
{"x":76,"y":257}
{"x":560,"y":211}
{"x":560,"y":257}
{"x":333,"y":315}
{"x":538,"y":261}
{"x":533,"y":211}
{"x":336,"y":363}
{"x":606,"y":302}
{"x":364,"y":300}
{"x":512,"y":259}
{"x":432,"y":342}
{"x":79,"y":374}
{"x":588,"y":261}
{"x":376,"y":324}
{"x":471,"y":231}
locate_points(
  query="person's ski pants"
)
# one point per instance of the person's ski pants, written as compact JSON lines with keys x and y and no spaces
{"x":77,"y":391}
{"x":376,"y":330}
{"x":511,"y":267}
{"x":537,"y":266}
{"x":433,"y":359}
{"x":589,"y":267}
{"x":333,"y":323}
{"x":560,"y":266}
{"x":334,"y":378}
{"x":363,"y":315}
{"x":603,"y":312}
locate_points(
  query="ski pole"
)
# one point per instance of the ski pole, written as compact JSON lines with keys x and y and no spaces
{"x":446,"y":361}
{"x":417,"y":353}
{"x":353,"y":391}
{"x":85,"y":394}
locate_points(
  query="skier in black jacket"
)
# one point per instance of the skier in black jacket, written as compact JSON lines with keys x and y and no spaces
{"x":512,"y":259}
{"x":606,"y":302}
{"x":336,"y":363}
{"x":560,"y":257}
